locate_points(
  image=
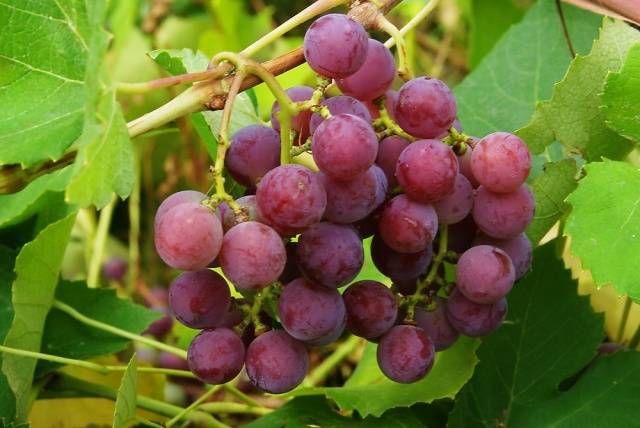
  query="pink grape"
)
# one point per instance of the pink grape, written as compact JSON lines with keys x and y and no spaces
{"x":115,"y":268}
{"x":335,"y":45}
{"x":436,"y":324}
{"x":291,"y":198}
{"x":330,"y":254}
{"x":341,"y":104}
{"x":249,"y":203}
{"x":291,"y":268}
{"x":518,"y":249}
{"x":374,"y":77}
{"x":388,"y":154}
{"x":329,"y":337}
{"x":176,"y":199}
{"x":299,"y":122}
{"x":254,"y":151}
{"x":503,"y":215}
{"x":484,"y":274}
{"x":405,"y":354}
{"x":390,"y":101}
{"x":252,"y":255}
{"x":200,"y":299}
{"x":464,"y":166}
{"x":474,"y":319}
{"x":216,"y":356}
{"x":344,"y":146}
{"x":188,"y":236}
{"x":371,"y":308}
{"x":461,"y":234}
{"x":407,"y":226}
{"x":399,"y":266}
{"x":427,"y":170}
{"x":501,"y":162}
{"x":350,"y":201}
{"x":457,"y":204}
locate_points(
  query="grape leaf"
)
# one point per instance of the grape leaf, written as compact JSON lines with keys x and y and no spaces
{"x":37,"y":268}
{"x":573,"y":115}
{"x":550,"y":334}
{"x":66,"y":337}
{"x":500,"y":94}
{"x":126,"y":400}
{"x":371,"y":393}
{"x":7,"y":260}
{"x":621,"y":95}
{"x":550,"y":189}
{"x":604,"y":224}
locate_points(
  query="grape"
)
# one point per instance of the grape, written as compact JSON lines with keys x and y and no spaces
{"x":234,"y":315}
{"x":309,"y":311}
{"x":249,"y":203}
{"x":609,"y":348}
{"x":350,"y":201}
{"x":464,"y":166}
{"x":501,"y":162}
{"x":427,"y":170}
{"x":162,"y":326}
{"x":374,"y":77}
{"x":188,"y":236}
{"x":399,"y":266}
{"x":436,"y":324}
{"x":503,"y":215}
{"x":216,"y":356}
{"x":484,"y":274}
{"x":406,"y":287}
{"x":299,"y":122}
{"x":115,"y":268}
{"x":382,"y":186}
{"x":335,"y":45}
{"x":518,"y":249}
{"x":199,"y":299}
{"x":368,"y":225}
{"x":390,"y":101}
{"x":291,"y":268}
{"x":252,"y":255}
{"x":371,"y":308}
{"x":388,"y":153}
{"x":426,"y":107}
{"x":275,"y":362}
{"x":457,"y":204}
{"x":167,"y":360}
{"x":339,"y":105}
{"x":330,"y":254}
{"x":254,"y":151}
{"x":176,"y":199}
{"x":405,"y":354}
{"x":407,"y":226}
{"x":291,"y":198}
{"x":474,"y":319}
{"x":344,"y":146}
{"x":329,"y":337}
{"x":461,"y":235}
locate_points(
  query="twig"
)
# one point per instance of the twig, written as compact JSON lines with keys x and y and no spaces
{"x":99,"y":242}
{"x":565,"y":30}
{"x":323,"y":369}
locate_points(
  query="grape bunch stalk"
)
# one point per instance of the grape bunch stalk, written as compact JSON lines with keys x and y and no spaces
{"x":390,"y":164}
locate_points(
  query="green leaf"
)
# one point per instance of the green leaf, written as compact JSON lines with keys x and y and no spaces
{"x":37,"y":268}
{"x":501,"y":93}
{"x":550,"y":334}
{"x":550,"y":189}
{"x":66,"y":337}
{"x":126,"y":399}
{"x":371,"y":393}
{"x":573,"y":115}
{"x":180,"y":61}
{"x":604,"y":224}
{"x":621,"y":95}
{"x":7,"y":260}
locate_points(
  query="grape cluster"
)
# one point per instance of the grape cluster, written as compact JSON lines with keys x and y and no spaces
{"x":392,"y":165}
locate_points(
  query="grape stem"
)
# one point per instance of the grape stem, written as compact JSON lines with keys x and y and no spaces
{"x":404,"y":68}
{"x":386,"y":124}
{"x":218,"y":407}
{"x":413,"y":22}
{"x":623,"y":320}
{"x":99,"y":242}
{"x":318,"y":374}
{"x":191,"y":407}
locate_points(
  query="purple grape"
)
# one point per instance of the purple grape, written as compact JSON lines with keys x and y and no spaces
{"x":374,"y":77}
{"x":234,"y":316}
{"x":341,"y":104}
{"x":407,"y":226}
{"x":330,"y":254}
{"x":167,"y":360}
{"x":199,"y":299}
{"x":291,"y":198}
{"x":426,"y":107}
{"x":427,"y":170}
{"x":464,"y":166}
{"x":344,"y":146}
{"x":456,"y":205}
{"x":249,"y":203}
{"x":399,"y":266}
{"x":371,"y":307}
{"x":474,"y":319}
{"x":391,"y":99}
{"x":216,"y":356}
{"x":368,"y":226}
{"x":461,"y":235}
{"x":254,"y":151}
{"x":162,"y":326}
{"x":503,"y":215}
{"x":329,"y":337}
{"x":115,"y":268}
{"x":309,"y":311}
{"x":388,"y":153}
{"x":291,"y":268}
{"x":484,"y":274}
{"x":437,"y":326}
{"x":276,"y":363}
{"x":406,"y":287}
{"x":252,"y":255}
{"x":518,"y":249}
{"x":405,"y":354}
{"x":188,"y":236}
{"x":609,"y":348}
{"x":382,"y":186}
{"x":299,"y":122}
{"x":501,"y":162}
{"x":335,"y":45}
{"x":176,"y":199}
{"x":350,"y":201}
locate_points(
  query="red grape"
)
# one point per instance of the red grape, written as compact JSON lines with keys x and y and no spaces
{"x":254,"y":151}
{"x":407,"y":226}
{"x":299,"y":122}
{"x":474,"y":319}
{"x":518,"y":249}
{"x":371,"y":309}
{"x":405,"y":354}
{"x":216,"y":356}
{"x":176,"y":199}
{"x":341,"y":104}
{"x":388,"y":153}
{"x":501,"y":162}
{"x":503,"y":215}
{"x":484,"y":274}
{"x":457,"y":204}
{"x":464,"y":166}
{"x":350,"y":201}
{"x":437,"y":326}
{"x":374,"y":77}
{"x":399,"y":266}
